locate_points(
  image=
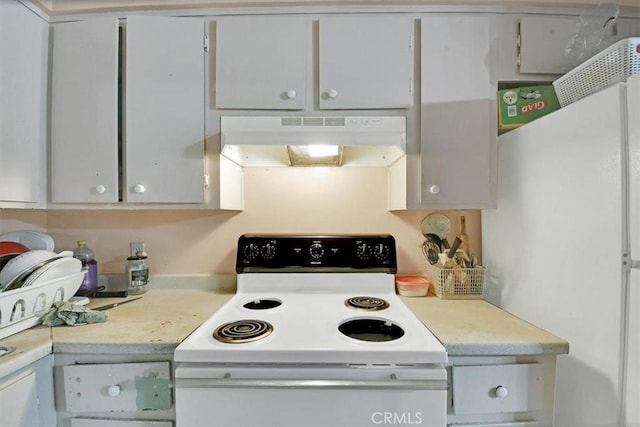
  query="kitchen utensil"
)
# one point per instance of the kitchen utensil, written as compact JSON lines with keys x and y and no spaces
{"x":33,"y":240}
{"x":451,"y":253}
{"x":431,"y":248}
{"x":463,"y":234}
{"x":115,"y":304}
{"x":437,"y":224}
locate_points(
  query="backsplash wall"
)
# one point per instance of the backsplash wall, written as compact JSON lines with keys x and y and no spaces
{"x":277,"y":200}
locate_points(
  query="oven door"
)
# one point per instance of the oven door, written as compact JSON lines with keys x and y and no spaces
{"x":320,"y":395}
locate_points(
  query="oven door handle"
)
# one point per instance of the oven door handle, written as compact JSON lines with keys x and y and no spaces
{"x":391,"y":384}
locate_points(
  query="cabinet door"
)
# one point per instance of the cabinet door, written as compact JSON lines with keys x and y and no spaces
{"x":366,"y":62}
{"x":261,"y":63}
{"x":19,"y":401}
{"x":544,"y":40}
{"x":458,"y":112}
{"x":84,"y":112}
{"x":23,"y":77}
{"x":164,"y":133}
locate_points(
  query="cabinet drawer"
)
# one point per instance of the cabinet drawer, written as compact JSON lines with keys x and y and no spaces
{"x":496,"y":388}
{"x":117,"y":387}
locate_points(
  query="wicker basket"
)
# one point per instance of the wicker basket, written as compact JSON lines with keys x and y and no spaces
{"x":612,"y":65}
{"x":457,"y":283}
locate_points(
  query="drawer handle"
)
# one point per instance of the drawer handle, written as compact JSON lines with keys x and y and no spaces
{"x":114,"y":390}
{"x":501,"y":392}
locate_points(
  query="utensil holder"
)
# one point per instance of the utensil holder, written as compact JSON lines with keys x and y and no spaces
{"x":457,"y":283}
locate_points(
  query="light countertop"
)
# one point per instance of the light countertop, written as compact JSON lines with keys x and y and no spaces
{"x":478,"y":328}
{"x":161,"y":319}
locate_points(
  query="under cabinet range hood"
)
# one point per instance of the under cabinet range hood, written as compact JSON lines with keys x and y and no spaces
{"x":313,"y":141}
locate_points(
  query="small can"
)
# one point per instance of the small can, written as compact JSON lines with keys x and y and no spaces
{"x":137,"y":271}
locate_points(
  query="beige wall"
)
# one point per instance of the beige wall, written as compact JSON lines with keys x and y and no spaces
{"x":278,"y":200}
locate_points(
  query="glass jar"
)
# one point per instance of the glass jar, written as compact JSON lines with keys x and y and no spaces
{"x":137,"y":271}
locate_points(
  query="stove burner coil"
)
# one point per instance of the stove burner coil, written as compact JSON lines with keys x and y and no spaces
{"x":366,"y":303}
{"x":373,"y":330}
{"x":262,"y":304}
{"x":242,"y":331}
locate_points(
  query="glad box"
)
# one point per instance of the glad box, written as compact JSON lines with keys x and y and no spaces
{"x":522,"y":105}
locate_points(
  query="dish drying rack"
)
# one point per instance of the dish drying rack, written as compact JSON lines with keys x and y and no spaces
{"x":23,"y":308}
{"x":613,"y":65}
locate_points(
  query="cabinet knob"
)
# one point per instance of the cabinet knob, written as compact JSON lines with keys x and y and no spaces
{"x":139,"y":188}
{"x":100,"y":189}
{"x":434,"y":189}
{"x":291,"y":94}
{"x":501,"y":392}
{"x":333,"y":94}
{"x":114,"y":390}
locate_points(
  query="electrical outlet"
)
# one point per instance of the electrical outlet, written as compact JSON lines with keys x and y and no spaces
{"x":136,"y":247}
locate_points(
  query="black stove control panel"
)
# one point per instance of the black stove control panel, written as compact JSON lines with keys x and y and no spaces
{"x":260,"y":253}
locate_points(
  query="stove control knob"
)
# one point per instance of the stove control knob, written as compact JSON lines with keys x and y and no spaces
{"x":316,"y":250}
{"x":363,"y":251}
{"x":251,"y":251}
{"x":381,"y":251}
{"x":269,"y":251}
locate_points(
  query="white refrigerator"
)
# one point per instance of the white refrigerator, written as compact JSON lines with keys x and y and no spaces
{"x":562,"y":249}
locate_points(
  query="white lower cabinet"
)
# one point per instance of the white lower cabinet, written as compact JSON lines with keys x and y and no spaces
{"x":496,"y":388}
{"x":19,"y":400}
{"x":26,"y":396}
{"x":516,"y":391}
{"x":91,"y":391}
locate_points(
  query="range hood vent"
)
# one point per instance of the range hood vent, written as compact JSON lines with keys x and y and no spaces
{"x":269,"y":141}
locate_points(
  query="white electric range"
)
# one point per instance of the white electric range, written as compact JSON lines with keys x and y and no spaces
{"x":314,"y":336}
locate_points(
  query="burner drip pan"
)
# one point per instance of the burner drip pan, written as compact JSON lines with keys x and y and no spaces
{"x":365,"y":303}
{"x":374,"y":330}
{"x":262,"y":304}
{"x":242,"y":331}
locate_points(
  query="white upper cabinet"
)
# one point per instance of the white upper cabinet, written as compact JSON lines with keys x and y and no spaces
{"x":164,"y":130}
{"x":84,"y":112}
{"x":261,"y":63}
{"x":365,"y":62}
{"x":458,"y":112}
{"x":533,"y":47}
{"x":161,"y":159}
{"x":23,"y":91}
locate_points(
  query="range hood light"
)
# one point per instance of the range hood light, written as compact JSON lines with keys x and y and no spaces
{"x":271,"y":141}
{"x":315,"y":155}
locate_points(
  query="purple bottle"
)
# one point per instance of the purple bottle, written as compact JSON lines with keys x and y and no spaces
{"x":89,"y":268}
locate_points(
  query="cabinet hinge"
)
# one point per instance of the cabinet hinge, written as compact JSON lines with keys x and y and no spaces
{"x":206,"y":180}
{"x":206,"y":43}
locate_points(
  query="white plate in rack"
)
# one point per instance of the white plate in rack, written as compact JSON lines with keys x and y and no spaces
{"x":54,"y":270}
